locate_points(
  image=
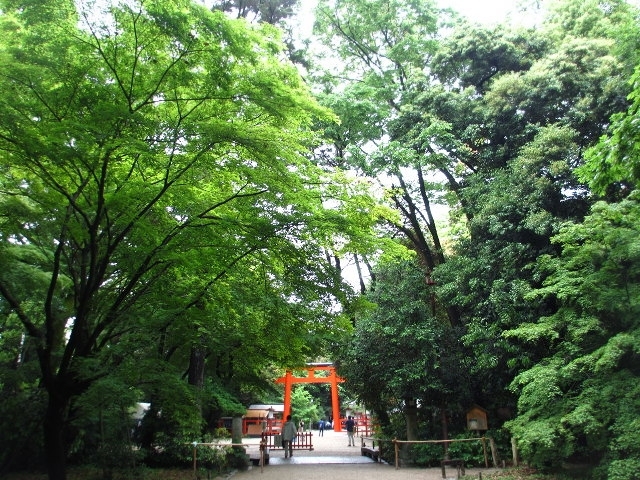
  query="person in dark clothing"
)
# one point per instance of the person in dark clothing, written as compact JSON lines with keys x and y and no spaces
{"x":351,"y":428}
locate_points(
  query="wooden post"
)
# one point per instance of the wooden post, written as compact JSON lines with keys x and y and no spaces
{"x":445,"y":432}
{"x":195,"y":459}
{"x":395,"y":445}
{"x":484,"y":450}
{"x":514,"y":451}
{"x":494,"y":452}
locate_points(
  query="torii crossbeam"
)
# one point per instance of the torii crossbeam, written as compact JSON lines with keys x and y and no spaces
{"x":311,"y":369}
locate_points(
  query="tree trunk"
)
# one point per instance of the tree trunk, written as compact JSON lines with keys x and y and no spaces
{"x":54,"y":436}
{"x":196,"y":370}
{"x":236,"y":435}
{"x":372,"y":273}
{"x":411,"y":417}
{"x":363,"y":288}
{"x":445,"y":431}
{"x":382,"y":415}
{"x":196,"y":367}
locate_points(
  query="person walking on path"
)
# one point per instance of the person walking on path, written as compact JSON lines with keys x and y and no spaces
{"x":321,"y":428}
{"x":288,"y":434}
{"x":351,"y":427}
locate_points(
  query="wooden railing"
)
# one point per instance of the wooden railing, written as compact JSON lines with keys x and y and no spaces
{"x":303,"y":441}
{"x":494,"y":455}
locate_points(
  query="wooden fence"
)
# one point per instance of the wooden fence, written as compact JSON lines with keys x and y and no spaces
{"x":484,"y":440}
{"x":303,"y":441}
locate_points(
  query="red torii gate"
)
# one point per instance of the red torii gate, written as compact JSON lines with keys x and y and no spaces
{"x":311,"y":369}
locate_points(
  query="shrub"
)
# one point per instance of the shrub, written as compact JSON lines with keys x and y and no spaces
{"x":426,"y":454}
{"x":472,"y":452}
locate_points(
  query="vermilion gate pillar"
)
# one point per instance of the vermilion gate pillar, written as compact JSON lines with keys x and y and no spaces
{"x":288,"y":380}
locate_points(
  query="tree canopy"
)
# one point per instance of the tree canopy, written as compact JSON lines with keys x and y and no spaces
{"x":182,"y":189}
{"x":496,"y":122}
{"x":157,"y":205}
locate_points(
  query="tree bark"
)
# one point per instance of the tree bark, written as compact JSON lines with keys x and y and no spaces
{"x":196,"y":367}
{"x":363,"y":288}
{"x":196,"y":370}
{"x":445,"y":431}
{"x":55,"y":444}
{"x":411,"y":417}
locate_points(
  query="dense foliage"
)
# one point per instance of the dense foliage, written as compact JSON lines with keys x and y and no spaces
{"x":496,"y":121}
{"x":163,"y":236}
{"x":581,"y":401}
{"x":177,"y":208}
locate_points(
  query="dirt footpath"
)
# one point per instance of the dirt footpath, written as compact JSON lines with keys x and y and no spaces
{"x":361,"y":471}
{"x":332,"y":459}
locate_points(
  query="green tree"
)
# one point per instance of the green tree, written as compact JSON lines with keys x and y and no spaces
{"x":580,"y":402}
{"x":303,"y":406}
{"x":493,"y":121}
{"x":281,"y":13}
{"x":401,"y":356}
{"x":526,"y":135}
{"x":154,"y":170}
{"x":612,"y":166}
{"x":382,"y":47}
{"x":582,"y":397}
{"x":269,"y":11}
